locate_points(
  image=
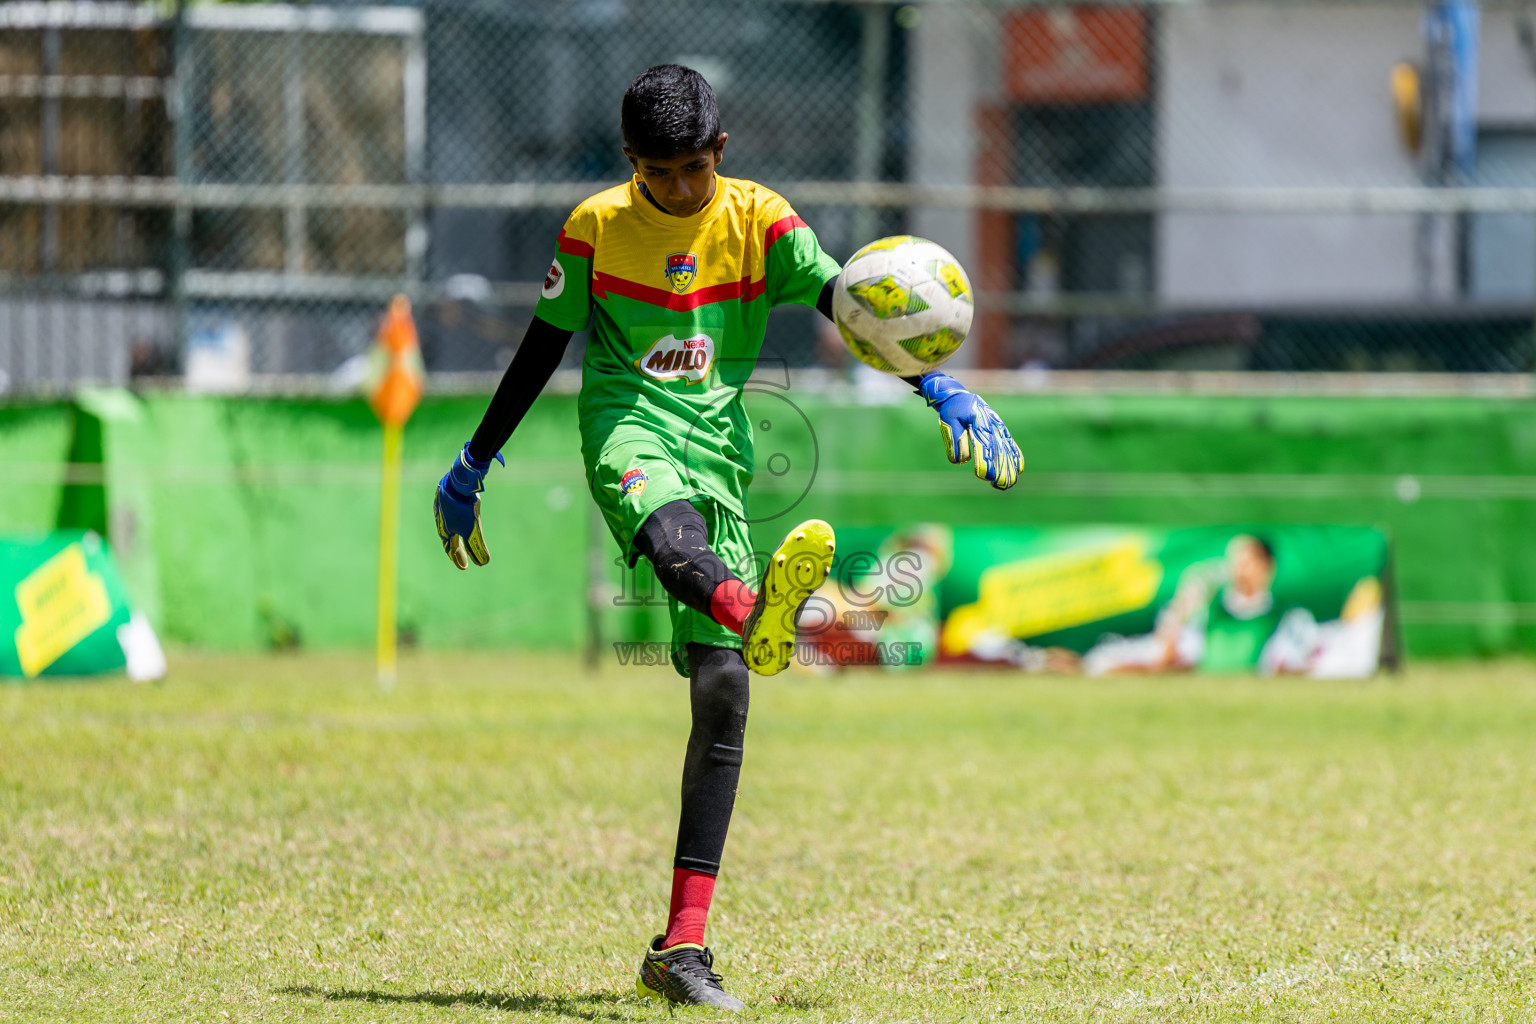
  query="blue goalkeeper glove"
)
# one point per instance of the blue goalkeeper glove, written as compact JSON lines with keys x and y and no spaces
{"x":971,"y":428}
{"x":457,"y":509}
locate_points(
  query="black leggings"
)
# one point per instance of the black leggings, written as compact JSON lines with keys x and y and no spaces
{"x":719,"y":693}
{"x":676,"y":540}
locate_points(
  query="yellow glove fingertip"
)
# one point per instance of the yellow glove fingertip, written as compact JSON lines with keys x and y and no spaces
{"x":477,"y":549}
{"x":954,"y":453}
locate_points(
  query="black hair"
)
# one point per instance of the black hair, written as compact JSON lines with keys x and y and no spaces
{"x":667,"y":110}
{"x":1263,"y":545}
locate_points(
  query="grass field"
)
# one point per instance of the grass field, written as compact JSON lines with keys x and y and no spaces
{"x":277,"y":839}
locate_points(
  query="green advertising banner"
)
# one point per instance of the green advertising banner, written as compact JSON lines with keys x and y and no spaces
{"x":212,"y":504}
{"x":66,"y":611}
{"x":1272,"y":598}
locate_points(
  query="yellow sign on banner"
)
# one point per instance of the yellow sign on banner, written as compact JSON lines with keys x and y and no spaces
{"x":1041,"y":595}
{"x":62,"y":602}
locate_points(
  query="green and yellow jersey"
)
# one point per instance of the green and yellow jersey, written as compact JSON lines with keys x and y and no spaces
{"x":678,"y":307}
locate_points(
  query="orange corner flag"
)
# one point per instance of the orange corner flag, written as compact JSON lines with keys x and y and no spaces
{"x":397,"y":376}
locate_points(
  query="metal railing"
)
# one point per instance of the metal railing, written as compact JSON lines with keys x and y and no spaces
{"x":242,"y":186}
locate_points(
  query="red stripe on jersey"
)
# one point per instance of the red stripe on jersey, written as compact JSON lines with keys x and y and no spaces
{"x":746,"y":290}
{"x":572,"y":246}
{"x":779,"y":228}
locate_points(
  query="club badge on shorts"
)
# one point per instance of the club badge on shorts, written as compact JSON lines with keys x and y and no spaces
{"x":682,"y":267}
{"x":632,"y":483}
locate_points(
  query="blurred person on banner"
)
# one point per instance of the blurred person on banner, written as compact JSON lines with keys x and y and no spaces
{"x":1348,"y":647}
{"x":1221,"y":616}
{"x":886,"y":613}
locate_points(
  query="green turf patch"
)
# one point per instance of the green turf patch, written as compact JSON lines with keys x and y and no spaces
{"x":278,"y":839}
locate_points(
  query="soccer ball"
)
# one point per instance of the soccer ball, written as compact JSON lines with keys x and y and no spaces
{"x":903,"y":305}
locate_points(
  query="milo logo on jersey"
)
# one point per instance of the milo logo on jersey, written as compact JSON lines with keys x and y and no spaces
{"x":672,"y":358}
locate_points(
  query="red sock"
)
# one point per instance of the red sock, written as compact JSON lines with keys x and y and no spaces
{"x":691,"y":893}
{"x":731,"y":603}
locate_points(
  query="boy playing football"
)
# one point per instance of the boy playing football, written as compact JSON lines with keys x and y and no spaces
{"x":676,"y":271}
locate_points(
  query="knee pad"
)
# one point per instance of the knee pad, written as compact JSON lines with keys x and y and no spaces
{"x":676,"y":540}
{"x":720,"y":684}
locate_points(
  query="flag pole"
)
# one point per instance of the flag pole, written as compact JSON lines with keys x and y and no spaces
{"x":389,"y":554}
{"x":394,"y":388}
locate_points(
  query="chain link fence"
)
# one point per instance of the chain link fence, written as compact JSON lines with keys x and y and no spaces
{"x":228,"y":194}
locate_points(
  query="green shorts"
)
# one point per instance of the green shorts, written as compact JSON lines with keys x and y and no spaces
{"x":631,"y":480}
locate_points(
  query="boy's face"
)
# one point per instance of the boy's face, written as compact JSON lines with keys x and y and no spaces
{"x":1253,"y":569}
{"x":680,"y":184}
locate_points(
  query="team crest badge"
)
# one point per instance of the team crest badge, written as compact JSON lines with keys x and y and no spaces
{"x":554,"y":281}
{"x":632,"y":482}
{"x":681,"y":269}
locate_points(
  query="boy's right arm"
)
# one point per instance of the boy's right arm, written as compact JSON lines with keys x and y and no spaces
{"x":532,"y":366}
{"x":457,"y":505}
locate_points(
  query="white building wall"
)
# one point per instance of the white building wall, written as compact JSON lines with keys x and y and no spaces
{"x":954,"y":66}
{"x":1501,"y":253}
{"x":1283,"y":96}
{"x":1507,"y":95}
{"x":1247,"y":95}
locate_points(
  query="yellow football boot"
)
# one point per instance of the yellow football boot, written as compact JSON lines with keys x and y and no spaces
{"x":795,"y":570}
